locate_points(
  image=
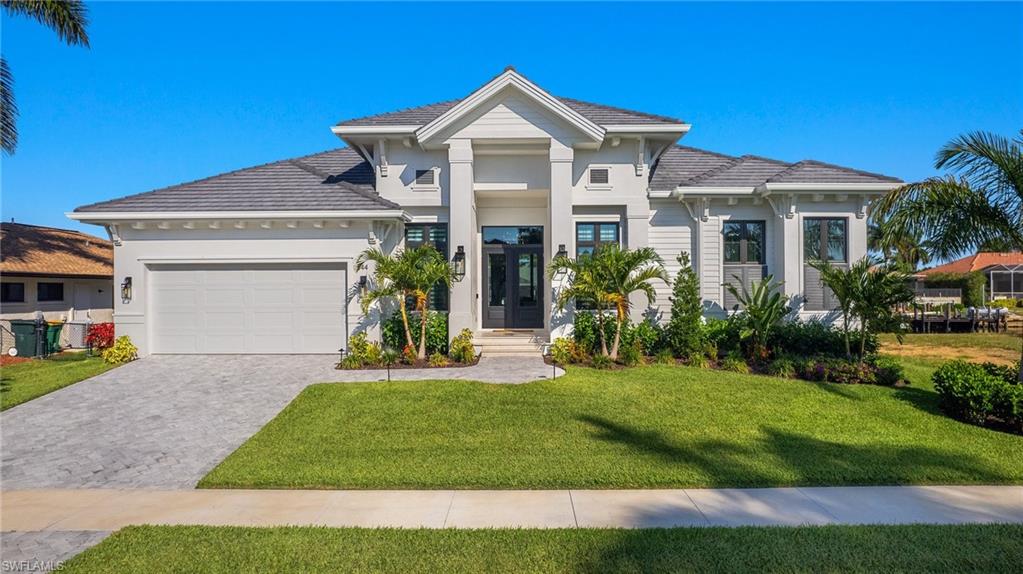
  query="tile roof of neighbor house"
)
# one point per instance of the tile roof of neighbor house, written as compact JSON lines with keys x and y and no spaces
{"x":596,"y":113}
{"x":335,"y":180}
{"x":683,"y":166}
{"x":976,"y":262}
{"x":36,"y":250}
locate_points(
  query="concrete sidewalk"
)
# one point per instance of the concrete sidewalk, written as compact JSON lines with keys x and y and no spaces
{"x":107,"y":510}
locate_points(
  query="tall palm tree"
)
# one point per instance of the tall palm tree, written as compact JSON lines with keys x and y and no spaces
{"x":584,"y":284}
{"x":65,"y":17}
{"x":979,"y":203}
{"x":409,"y":274}
{"x":906,"y":250}
{"x":842,"y":283}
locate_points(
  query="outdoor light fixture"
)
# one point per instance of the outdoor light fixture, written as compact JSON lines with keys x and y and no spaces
{"x":363,"y":284}
{"x":459,"y":263}
{"x":126,"y":290}
{"x":561,"y":254}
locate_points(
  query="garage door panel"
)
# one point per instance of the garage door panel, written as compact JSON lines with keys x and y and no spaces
{"x":248,"y":309}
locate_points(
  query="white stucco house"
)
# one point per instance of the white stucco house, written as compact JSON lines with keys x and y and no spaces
{"x":261,"y":260}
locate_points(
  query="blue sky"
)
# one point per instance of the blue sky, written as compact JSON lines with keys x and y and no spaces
{"x":174,"y":92}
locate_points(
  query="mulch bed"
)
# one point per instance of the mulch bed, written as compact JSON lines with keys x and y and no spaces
{"x":6,"y":360}
{"x":424,"y":364}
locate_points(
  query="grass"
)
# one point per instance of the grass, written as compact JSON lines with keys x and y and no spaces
{"x":654,"y":426}
{"x":915,"y":548}
{"x":997,"y":347}
{"x":23,"y":382}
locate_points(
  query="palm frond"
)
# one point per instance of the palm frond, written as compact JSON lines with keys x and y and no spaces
{"x":8,"y":110}
{"x":68,"y":18}
{"x":989,"y":162}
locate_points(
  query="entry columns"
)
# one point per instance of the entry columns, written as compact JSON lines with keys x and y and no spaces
{"x":559,"y":213}
{"x":462,"y":231}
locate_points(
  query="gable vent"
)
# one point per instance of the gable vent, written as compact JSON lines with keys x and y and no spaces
{"x":599,"y":176}
{"x":424,"y":177}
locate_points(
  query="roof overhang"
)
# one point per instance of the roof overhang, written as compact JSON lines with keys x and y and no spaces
{"x":768,"y":188}
{"x":343,"y":131}
{"x":677,"y":130}
{"x":510,"y":79}
{"x":6,"y":273}
{"x":104,"y":217}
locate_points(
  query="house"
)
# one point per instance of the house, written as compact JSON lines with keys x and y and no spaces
{"x":261,"y":260}
{"x":67,"y":275}
{"x":1003,"y":271}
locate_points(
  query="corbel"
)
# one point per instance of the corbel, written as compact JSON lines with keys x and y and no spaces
{"x":139,"y":225}
{"x":382,"y":161}
{"x":783,"y":206}
{"x":188,"y":225}
{"x":214,"y":225}
{"x":733,"y":201}
{"x":861,"y":207}
{"x":239,"y":225}
{"x":698,"y":208}
{"x":267,"y":224}
{"x":407,"y":142}
{"x":114,"y":231}
{"x":163,"y":225}
{"x":616,"y":141}
{"x":640,"y":155}
{"x":371,"y":236}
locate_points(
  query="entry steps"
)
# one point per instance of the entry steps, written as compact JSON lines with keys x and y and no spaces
{"x":509,"y":342}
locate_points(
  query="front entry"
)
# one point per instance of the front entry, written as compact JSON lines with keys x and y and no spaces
{"x":513,"y":277}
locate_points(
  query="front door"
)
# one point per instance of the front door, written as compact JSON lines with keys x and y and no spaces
{"x":513,"y":278}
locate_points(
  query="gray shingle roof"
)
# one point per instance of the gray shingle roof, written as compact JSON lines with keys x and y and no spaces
{"x":596,"y":113}
{"x":691,"y":167}
{"x":336,"y":180}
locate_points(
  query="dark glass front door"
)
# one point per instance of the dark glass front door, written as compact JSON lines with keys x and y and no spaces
{"x":513,"y":278}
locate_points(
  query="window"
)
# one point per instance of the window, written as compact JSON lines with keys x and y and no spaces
{"x":12,"y":292}
{"x":600,"y":176}
{"x":49,"y":292}
{"x":499,"y":235}
{"x":426,"y":177}
{"x":744,"y":242}
{"x":825,"y":237}
{"x":435,"y":234}
{"x":590,"y":236}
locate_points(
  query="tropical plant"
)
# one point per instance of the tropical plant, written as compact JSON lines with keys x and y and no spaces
{"x":907,"y":250}
{"x":763,"y":308}
{"x":843,"y":284}
{"x":122,"y":351}
{"x":584,"y":284}
{"x":462,"y":349}
{"x":685,"y":333}
{"x":65,"y":17}
{"x":407,"y":274}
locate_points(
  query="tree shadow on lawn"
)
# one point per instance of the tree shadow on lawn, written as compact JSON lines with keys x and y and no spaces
{"x":782,"y":458}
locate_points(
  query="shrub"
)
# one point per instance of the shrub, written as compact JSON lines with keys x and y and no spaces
{"x":1010,"y":304}
{"x":973,"y":393}
{"x":724,"y":334}
{"x":809,"y":338}
{"x":349,"y":362}
{"x":122,"y":351}
{"x":409,"y":355}
{"x":586,"y":334}
{"x":601,"y":362}
{"x":361,"y":352}
{"x":564,"y":351}
{"x":1008,"y":374}
{"x":393,"y":331}
{"x":1007,"y":404}
{"x":437,"y":360}
{"x":849,"y":372}
{"x":664,"y":357}
{"x":100,"y":335}
{"x":462,"y":350}
{"x":781,"y":367}
{"x":696,"y":359}
{"x":735,"y":363}
{"x":630,"y":355}
{"x":888,"y":370}
{"x":684,"y":333}
{"x":972,"y":284}
{"x":649,"y":336}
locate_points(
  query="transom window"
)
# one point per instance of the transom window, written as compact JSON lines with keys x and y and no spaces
{"x":12,"y":292}
{"x":825,"y":238}
{"x":590,"y":236}
{"x":49,"y":291}
{"x":502,"y":235}
{"x":744,"y":241}
{"x":435,"y":234}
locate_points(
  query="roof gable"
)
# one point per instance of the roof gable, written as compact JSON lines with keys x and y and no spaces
{"x":510,"y":80}
{"x":36,"y":250}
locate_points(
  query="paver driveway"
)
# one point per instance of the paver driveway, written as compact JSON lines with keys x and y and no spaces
{"x":163,"y":421}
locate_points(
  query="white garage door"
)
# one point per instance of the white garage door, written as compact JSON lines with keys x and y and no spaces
{"x":264,"y":308}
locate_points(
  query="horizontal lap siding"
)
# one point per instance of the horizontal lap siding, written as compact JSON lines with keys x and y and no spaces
{"x":671,"y":232}
{"x":710,"y":272}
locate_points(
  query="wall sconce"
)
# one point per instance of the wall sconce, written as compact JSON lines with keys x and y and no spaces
{"x":561,"y":254}
{"x":459,"y":263}
{"x":126,"y":290}
{"x":363,"y":285}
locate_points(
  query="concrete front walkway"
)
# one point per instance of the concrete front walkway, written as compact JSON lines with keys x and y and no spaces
{"x":107,"y":510}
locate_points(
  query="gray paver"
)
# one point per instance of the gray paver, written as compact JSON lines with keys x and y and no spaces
{"x":44,"y":551}
{"x":165,"y":421}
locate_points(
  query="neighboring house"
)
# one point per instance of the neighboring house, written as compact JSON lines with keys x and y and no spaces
{"x":67,"y":275}
{"x":261,"y":260}
{"x":1003,"y":271}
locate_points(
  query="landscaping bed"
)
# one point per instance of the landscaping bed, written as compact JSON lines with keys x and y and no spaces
{"x":646,"y":427}
{"x":915,"y":548}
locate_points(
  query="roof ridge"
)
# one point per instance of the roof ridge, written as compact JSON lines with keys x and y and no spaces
{"x":707,"y":151}
{"x":804,"y":162}
{"x":329,"y":179}
{"x":767,"y":159}
{"x":712,"y":172}
{"x":405,"y":109}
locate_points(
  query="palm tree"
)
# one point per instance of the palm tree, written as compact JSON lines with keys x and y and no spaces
{"x":906,"y":250}
{"x":979,"y":203}
{"x":982,"y":207}
{"x":877,"y":291}
{"x":68,"y":19}
{"x":408,"y":274}
{"x":842,"y":283}
{"x":584,"y":284}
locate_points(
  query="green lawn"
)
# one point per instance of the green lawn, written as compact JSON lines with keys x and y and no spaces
{"x":974,"y":548}
{"x":646,"y":427}
{"x":25,"y":381}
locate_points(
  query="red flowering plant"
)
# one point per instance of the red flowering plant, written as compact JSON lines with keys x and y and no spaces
{"x":100,"y":335}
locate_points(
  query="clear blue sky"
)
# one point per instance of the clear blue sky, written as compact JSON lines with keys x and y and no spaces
{"x":174,"y":92}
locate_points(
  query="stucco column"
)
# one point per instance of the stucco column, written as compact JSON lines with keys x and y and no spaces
{"x":559,"y":229}
{"x":461,"y":310}
{"x":637,"y":234}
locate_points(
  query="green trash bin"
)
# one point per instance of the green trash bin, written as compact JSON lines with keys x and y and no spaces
{"x":24,"y":337}
{"x":53,"y":337}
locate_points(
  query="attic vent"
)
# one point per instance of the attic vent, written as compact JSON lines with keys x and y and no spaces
{"x":424,"y":177}
{"x":599,"y":176}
